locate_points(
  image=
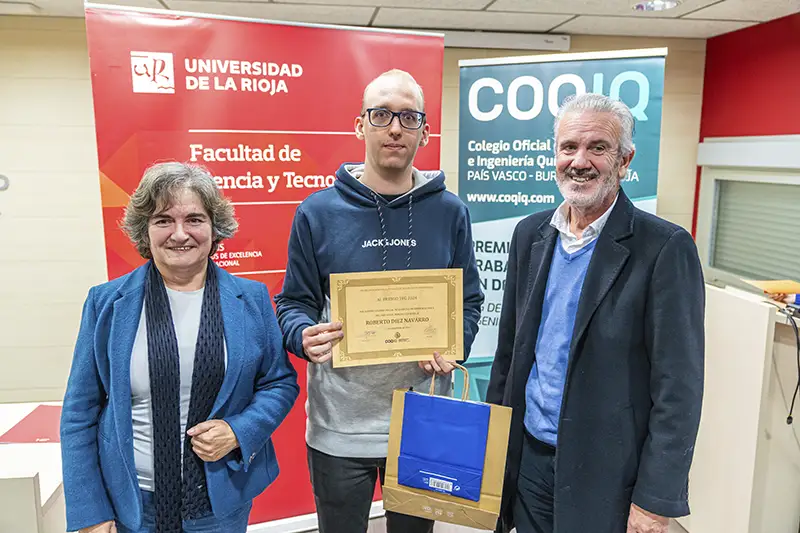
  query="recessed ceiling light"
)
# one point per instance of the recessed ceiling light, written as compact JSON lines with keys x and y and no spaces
{"x":656,"y":5}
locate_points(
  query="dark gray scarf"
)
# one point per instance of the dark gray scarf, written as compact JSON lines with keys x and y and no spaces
{"x":181,"y":494}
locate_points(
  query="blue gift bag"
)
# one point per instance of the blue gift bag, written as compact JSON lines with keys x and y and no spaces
{"x":443,"y":443}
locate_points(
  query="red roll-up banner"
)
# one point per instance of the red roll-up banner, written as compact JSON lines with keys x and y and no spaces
{"x":268,"y":108}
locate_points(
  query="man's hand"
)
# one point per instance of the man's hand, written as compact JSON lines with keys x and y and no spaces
{"x":782,"y":298}
{"x":212,"y":440}
{"x":318,"y":341}
{"x":438,"y":365}
{"x":641,"y":521}
{"x":105,"y":527}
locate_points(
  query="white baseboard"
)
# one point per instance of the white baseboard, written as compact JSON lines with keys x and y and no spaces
{"x":303,"y":523}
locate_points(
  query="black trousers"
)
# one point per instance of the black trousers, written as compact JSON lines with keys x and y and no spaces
{"x":343,"y":489}
{"x":533,"y":508}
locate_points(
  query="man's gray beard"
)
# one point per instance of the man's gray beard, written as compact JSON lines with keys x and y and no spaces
{"x":609,"y":186}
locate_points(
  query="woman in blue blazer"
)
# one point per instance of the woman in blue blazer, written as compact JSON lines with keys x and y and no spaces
{"x":179,"y":376}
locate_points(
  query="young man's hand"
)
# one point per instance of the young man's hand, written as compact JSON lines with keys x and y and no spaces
{"x":438,"y":366}
{"x":318,"y":341}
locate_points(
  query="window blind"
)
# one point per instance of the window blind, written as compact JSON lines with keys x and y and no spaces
{"x":757,"y":230}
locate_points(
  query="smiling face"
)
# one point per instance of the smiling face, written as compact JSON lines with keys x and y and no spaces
{"x":589,"y":163}
{"x":180,"y":234}
{"x":391,"y":149}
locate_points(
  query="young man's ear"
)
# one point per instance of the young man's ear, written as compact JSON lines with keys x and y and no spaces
{"x":426,"y":133}
{"x":359,"y":127}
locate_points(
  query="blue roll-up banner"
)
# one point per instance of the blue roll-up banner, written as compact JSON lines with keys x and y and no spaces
{"x":507,"y":155}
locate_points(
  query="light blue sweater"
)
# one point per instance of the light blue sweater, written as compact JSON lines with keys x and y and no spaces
{"x":545,"y":387}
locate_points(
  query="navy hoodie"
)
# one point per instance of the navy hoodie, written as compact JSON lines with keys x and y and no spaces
{"x":350,"y":228}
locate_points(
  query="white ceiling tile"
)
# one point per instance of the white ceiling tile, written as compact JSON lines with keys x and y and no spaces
{"x":74,"y":8}
{"x":748,"y":10}
{"x":650,"y":27}
{"x":466,"y":20}
{"x":420,"y":4}
{"x":322,"y":14}
{"x":595,"y":7}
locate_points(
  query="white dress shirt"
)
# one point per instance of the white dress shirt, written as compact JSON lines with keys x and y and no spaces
{"x":569,"y":241}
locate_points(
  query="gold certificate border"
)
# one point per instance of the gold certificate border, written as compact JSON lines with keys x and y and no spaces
{"x":452,"y":277}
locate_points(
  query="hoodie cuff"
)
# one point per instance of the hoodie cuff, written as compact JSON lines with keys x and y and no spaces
{"x":297,"y":342}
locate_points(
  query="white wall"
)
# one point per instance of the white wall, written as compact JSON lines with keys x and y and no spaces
{"x":51,"y":236}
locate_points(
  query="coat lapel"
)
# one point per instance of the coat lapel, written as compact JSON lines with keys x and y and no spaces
{"x":127,"y":311}
{"x":540,"y":259}
{"x":233,"y":320}
{"x":541,"y":256}
{"x":608,"y":260}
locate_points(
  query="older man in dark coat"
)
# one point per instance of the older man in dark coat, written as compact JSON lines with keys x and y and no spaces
{"x":600,"y":350}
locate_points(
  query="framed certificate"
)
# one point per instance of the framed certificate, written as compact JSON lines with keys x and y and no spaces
{"x":398,"y":316}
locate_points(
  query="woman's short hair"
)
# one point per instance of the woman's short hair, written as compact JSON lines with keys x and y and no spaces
{"x":157,"y":190}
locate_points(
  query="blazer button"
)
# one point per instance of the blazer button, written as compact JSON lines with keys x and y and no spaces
{"x":252,"y":457}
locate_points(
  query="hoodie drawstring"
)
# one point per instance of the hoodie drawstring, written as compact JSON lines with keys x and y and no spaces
{"x":410,"y":229}
{"x":383,"y":230}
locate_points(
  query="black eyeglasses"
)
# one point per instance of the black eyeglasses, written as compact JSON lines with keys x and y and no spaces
{"x":381,"y":117}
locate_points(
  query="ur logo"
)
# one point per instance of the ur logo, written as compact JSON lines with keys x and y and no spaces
{"x":152,"y":72}
{"x":397,"y":335}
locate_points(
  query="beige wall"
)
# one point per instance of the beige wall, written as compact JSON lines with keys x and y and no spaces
{"x":50,"y":219}
{"x":51,"y":239}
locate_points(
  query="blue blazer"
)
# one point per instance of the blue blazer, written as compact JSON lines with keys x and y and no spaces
{"x":259,"y":389}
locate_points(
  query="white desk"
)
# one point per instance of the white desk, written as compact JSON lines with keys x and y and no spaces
{"x":31,"y":492}
{"x":745,"y":477}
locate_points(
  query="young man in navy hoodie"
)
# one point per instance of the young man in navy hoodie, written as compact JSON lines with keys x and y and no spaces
{"x":380,"y":215}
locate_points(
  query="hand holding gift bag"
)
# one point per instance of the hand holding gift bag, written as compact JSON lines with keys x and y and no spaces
{"x":434,"y":427}
{"x":446,"y":458}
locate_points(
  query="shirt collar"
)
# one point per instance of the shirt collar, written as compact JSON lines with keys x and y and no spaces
{"x":560,"y":220}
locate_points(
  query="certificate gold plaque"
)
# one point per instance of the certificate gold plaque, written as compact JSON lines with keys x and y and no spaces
{"x":398,"y":316}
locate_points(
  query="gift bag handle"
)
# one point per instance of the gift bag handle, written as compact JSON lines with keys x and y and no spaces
{"x":465,"y":393}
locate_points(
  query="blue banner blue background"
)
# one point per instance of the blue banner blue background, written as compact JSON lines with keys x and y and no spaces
{"x":507,"y":157}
